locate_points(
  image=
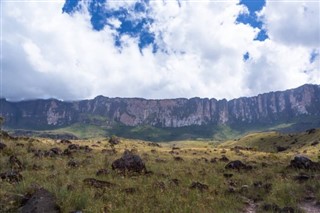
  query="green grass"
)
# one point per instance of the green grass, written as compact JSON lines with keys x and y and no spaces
{"x":72,"y":194}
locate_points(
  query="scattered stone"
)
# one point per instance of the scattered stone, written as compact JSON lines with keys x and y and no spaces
{"x":11,"y":176}
{"x":204,"y":159}
{"x":314,"y":143}
{"x":281,"y":148}
{"x":36,"y":167}
{"x":129,"y":163}
{"x":159,"y":185}
{"x":237,"y":164}
{"x":73,"y":147}
{"x":244,"y":189}
{"x":287,"y":209}
{"x":199,"y":186}
{"x":231,"y":189}
{"x":2,"y":146}
{"x":56,"y":151}
{"x":15,"y":163}
{"x":271,"y":207}
{"x":160,"y":160}
{"x":311,"y":131}
{"x":213,"y":160}
{"x":73,"y":163}
{"x":154,"y":144}
{"x":67,"y":152}
{"x":301,"y":177}
{"x":114,"y":140}
{"x":41,"y":201}
{"x":20,"y":144}
{"x":130,"y":190}
{"x":85,"y":148}
{"x":224,"y":159}
{"x":102,"y":172}
{"x":175,"y":182}
{"x":65,"y":141}
{"x":227,"y":175}
{"x":178,"y":158}
{"x":98,"y":183}
{"x":302,"y":162}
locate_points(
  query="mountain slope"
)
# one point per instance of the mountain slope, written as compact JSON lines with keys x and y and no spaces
{"x":300,"y":107}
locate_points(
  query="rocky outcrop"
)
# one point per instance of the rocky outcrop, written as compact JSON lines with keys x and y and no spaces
{"x":262,"y":109}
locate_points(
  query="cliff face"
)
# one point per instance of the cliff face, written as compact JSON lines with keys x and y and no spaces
{"x":262,"y":109}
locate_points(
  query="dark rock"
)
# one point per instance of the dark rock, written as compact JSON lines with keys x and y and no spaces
{"x":237,"y":164}
{"x":160,"y":160}
{"x":98,"y":183}
{"x":311,"y":131}
{"x":73,"y":147}
{"x":85,"y":148}
{"x":65,"y":141}
{"x":15,"y":163}
{"x":67,"y":152}
{"x":199,"y":186}
{"x":287,"y":209}
{"x":102,"y":172}
{"x":114,"y":140}
{"x":175,"y":182}
{"x":314,"y":143}
{"x":302,"y":162}
{"x":41,"y":201}
{"x":159,"y":185}
{"x":227,"y":175}
{"x":178,"y":158}
{"x":154,"y":144}
{"x":20,"y":144}
{"x":224,"y":159}
{"x":130,"y":190}
{"x":37,"y":153}
{"x":301,"y":177}
{"x":281,"y":148}
{"x":271,"y":207}
{"x":56,"y":151}
{"x":73,"y":163}
{"x":213,"y":160}
{"x":129,"y":163}
{"x":2,"y":146}
{"x":11,"y":176}
{"x":36,"y":167}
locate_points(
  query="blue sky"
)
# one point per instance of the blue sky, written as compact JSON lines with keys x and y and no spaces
{"x":77,"y":49}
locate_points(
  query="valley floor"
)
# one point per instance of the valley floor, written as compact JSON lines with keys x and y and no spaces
{"x":188,"y":176}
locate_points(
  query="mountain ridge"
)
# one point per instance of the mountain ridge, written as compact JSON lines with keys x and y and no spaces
{"x":294,"y":105}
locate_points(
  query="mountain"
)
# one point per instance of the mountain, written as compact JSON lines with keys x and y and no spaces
{"x":298,"y":107}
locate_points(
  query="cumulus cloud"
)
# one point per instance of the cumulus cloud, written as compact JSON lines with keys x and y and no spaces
{"x":47,"y":53}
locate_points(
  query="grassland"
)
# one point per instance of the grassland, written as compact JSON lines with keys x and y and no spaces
{"x":173,"y":167}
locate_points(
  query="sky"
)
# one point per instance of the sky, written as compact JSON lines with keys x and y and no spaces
{"x":157,"y":49}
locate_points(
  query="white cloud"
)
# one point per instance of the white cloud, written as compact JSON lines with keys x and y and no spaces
{"x":51,"y":54}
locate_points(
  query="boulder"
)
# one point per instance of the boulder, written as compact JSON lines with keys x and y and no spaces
{"x":15,"y":163}
{"x":199,"y":186}
{"x":102,"y":172}
{"x":98,"y":183}
{"x":11,"y":176}
{"x":129,"y":163}
{"x":302,"y":162}
{"x":237,"y":164}
{"x":55,"y":151}
{"x":2,"y":146}
{"x":41,"y":201}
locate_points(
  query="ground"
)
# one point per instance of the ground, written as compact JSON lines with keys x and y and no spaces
{"x":180,"y":176}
